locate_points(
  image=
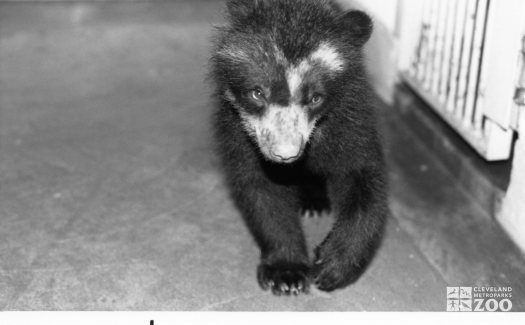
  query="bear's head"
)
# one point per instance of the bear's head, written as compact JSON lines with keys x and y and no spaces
{"x":282,"y":65}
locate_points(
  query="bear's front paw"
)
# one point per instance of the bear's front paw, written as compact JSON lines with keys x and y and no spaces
{"x":334,"y":266}
{"x":284,"y":278}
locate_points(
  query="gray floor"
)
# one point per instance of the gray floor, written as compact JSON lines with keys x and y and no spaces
{"x":111,"y":199}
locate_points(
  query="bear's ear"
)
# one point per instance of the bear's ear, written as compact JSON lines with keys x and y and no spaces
{"x":357,"y":25}
{"x":240,"y":8}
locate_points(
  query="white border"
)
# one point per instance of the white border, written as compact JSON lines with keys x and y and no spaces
{"x":266,"y":318}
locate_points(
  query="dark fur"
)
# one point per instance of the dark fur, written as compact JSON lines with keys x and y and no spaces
{"x":342,"y":166}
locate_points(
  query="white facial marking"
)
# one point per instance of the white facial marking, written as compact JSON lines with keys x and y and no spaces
{"x":328,"y":56}
{"x":295,"y":76}
{"x":325,"y":54}
{"x":281,"y":132}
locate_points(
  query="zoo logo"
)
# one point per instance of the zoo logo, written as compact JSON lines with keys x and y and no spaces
{"x":462,"y":299}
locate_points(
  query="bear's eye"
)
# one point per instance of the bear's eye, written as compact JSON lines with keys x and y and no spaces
{"x":316,"y":99}
{"x":257,"y":94}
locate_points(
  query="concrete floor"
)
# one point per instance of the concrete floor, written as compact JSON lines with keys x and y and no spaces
{"x":111,"y":199}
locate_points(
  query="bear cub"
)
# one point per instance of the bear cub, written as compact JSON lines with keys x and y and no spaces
{"x":296,"y":131}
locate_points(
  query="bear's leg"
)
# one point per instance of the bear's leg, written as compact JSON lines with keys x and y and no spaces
{"x":271,"y":212}
{"x":360,"y":204}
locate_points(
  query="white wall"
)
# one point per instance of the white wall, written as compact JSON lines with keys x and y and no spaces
{"x":512,"y":216}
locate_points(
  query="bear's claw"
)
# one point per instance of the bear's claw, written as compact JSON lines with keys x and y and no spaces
{"x":284,"y":278}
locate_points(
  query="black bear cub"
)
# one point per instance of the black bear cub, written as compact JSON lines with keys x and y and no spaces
{"x":296,"y":131}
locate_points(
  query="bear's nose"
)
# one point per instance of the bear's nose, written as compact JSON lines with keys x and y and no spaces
{"x":284,"y":158}
{"x":287,"y":153}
